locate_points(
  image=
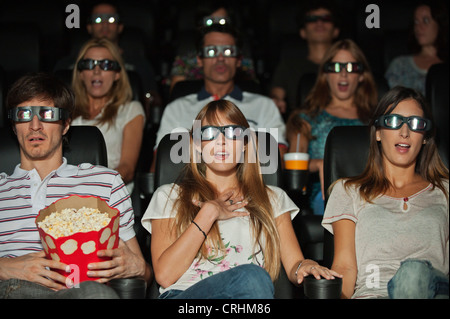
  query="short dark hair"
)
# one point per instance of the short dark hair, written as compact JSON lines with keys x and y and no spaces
{"x":96,"y":3}
{"x":312,"y":5}
{"x":42,"y":86}
{"x":228,"y":29}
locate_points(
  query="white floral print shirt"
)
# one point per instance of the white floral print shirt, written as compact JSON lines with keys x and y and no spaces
{"x":240,"y":246}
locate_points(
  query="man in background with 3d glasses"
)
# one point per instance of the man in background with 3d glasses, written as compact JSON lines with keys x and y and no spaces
{"x":318,"y":28}
{"x":219,"y":55}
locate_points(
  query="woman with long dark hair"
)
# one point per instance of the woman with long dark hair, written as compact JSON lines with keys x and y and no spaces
{"x":344,"y":94}
{"x":391,"y":223}
{"x":428,"y":44}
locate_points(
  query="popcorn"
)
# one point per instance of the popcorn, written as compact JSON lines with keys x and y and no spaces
{"x":70,"y":221}
{"x":74,"y":229}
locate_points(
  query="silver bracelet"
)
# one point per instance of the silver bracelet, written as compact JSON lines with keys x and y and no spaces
{"x":299,"y":265}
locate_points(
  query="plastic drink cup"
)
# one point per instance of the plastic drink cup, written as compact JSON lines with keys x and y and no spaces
{"x":296,"y":161}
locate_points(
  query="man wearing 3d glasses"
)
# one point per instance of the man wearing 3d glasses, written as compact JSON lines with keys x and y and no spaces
{"x":219,"y":55}
{"x":39,"y":108}
{"x":318,"y":27}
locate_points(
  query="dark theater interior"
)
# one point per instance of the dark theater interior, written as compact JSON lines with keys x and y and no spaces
{"x":46,"y":36}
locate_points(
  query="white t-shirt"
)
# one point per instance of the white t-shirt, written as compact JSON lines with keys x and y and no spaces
{"x":235,"y":232}
{"x":386,"y":233}
{"x":260,"y":112}
{"x":113,"y":133}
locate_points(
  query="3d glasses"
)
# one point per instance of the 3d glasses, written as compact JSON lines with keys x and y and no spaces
{"x":337,"y":67}
{"x":104,"y":17}
{"x":44,"y":113}
{"x":208,"y":21}
{"x":315,"y":18}
{"x":212,"y":51}
{"x":231,"y":132}
{"x":105,"y":65}
{"x":396,"y":121}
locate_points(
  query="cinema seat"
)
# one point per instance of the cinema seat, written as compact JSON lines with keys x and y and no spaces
{"x":346,"y":151}
{"x":437,"y":83}
{"x":85,"y":145}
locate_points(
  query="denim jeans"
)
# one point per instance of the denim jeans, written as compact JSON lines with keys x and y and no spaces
{"x":241,"y":282}
{"x":22,"y":289}
{"x":417,"y":279}
{"x":318,"y":204}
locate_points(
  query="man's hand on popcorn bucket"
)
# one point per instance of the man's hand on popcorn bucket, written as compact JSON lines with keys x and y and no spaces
{"x":127,"y":262}
{"x":34,"y":267}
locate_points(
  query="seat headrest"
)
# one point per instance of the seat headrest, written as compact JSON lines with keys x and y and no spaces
{"x":173,"y":154}
{"x":346,"y":152}
{"x":86,"y":145}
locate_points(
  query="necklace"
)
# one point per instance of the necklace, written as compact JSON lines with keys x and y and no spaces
{"x":405,"y":203}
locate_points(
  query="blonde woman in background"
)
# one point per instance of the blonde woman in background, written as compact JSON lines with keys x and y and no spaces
{"x":103,"y":98}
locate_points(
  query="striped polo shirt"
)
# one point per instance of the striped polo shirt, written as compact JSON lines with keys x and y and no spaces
{"x":23,"y":194}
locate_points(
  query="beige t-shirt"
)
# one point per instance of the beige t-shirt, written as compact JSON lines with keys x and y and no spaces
{"x":236,"y":235}
{"x":388,"y":232}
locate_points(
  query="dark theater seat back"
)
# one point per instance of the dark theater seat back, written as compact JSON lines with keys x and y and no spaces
{"x":86,"y":145}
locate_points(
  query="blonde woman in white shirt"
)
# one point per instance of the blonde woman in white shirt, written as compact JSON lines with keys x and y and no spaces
{"x":221,"y":232}
{"x":103,"y":98}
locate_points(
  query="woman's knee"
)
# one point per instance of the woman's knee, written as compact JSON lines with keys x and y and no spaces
{"x":255,"y":281}
{"x":413,"y":280}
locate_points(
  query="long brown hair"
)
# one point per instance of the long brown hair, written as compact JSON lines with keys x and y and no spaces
{"x":120,"y":93}
{"x":194,"y":185}
{"x":365,"y":95}
{"x":373,"y":181}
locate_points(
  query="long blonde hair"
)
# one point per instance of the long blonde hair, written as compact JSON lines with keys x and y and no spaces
{"x":120,"y":93}
{"x":194,"y":185}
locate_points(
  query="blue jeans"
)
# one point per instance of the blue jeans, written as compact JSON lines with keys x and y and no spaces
{"x":318,"y":204}
{"x":417,"y":279}
{"x":241,"y":282}
{"x":22,"y":289}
